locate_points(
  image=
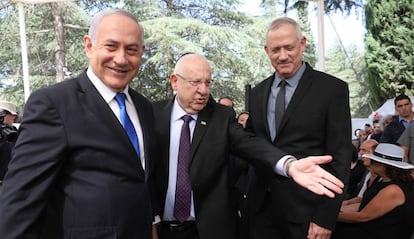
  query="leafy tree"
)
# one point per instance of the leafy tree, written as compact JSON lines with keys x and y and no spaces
{"x":344,"y":6}
{"x":390,"y":47}
{"x":232,"y":42}
{"x":351,"y":70}
{"x":44,"y":48}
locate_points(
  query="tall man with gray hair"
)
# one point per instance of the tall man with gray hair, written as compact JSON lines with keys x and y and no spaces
{"x":303,"y":112}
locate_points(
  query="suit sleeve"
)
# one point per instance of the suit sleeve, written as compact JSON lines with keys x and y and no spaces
{"x":36,"y":160}
{"x":256,"y":150}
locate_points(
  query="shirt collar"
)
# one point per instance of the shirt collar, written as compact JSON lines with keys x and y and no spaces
{"x":104,"y":90}
{"x":178,"y":112}
{"x":294,"y":80}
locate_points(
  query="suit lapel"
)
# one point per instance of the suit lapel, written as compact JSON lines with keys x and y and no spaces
{"x":163,"y":128}
{"x":200,"y":129}
{"x":304,"y":83}
{"x":95,"y":106}
{"x":263,"y":102}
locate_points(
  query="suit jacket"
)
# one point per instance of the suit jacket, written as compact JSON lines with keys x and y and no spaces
{"x":316,"y":122}
{"x":392,"y":131}
{"x":215,"y":136}
{"x":74,"y":173}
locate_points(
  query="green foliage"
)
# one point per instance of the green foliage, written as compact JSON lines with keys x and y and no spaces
{"x":232,"y":41}
{"x":352,"y":71}
{"x":390,"y":47}
{"x":344,"y":6}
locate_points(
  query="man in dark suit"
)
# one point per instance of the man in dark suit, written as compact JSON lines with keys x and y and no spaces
{"x":214,"y":134}
{"x":315,"y":121}
{"x":393,"y":131}
{"x":74,"y":172}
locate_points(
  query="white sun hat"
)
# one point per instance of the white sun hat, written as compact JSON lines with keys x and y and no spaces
{"x":389,"y":154}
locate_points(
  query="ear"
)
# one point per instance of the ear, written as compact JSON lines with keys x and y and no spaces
{"x":142,"y":50}
{"x":266,"y":49}
{"x":303,"y":43}
{"x":174,"y":81}
{"x":87,"y":42}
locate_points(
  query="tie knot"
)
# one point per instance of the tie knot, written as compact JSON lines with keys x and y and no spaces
{"x":282,"y":83}
{"x":120,"y":99}
{"x":186,"y":118}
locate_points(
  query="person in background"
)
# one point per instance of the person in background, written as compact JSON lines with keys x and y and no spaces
{"x":387,"y":208}
{"x":406,"y":141}
{"x":370,"y":178}
{"x":386,"y":120}
{"x":8,"y":134}
{"x":227,"y":101}
{"x":368,"y":130}
{"x":82,"y":161}
{"x":312,"y":118}
{"x":238,"y":177}
{"x":377,"y":130}
{"x":195,"y":138}
{"x":399,"y":122}
{"x":358,"y":171}
{"x":242,"y":118}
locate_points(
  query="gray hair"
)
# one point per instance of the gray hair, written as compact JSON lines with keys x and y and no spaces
{"x":282,"y":21}
{"x":96,"y":21}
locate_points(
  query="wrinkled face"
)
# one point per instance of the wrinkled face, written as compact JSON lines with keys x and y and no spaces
{"x":285,"y":49}
{"x":115,"y":57}
{"x":192,"y":84}
{"x":404,"y":107}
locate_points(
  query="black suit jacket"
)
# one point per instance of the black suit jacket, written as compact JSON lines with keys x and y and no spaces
{"x":74,"y":172}
{"x":392,"y":131}
{"x":316,"y":122}
{"x":216,"y":134}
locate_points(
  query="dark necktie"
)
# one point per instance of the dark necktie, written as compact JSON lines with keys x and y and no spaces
{"x":280,"y":103}
{"x":126,"y":122}
{"x":183,"y":185}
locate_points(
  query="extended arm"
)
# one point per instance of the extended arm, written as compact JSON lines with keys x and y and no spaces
{"x":307,"y":173}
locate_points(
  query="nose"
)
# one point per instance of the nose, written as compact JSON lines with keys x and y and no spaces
{"x":203,"y":89}
{"x":283,"y":54}
{"x":120,"y":57}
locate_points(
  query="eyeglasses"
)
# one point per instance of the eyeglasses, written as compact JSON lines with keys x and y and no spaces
{"x":207,"y":83}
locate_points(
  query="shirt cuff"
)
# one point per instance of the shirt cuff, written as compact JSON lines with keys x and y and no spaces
{"x":280,"y":165}
{"x":157,"y":219}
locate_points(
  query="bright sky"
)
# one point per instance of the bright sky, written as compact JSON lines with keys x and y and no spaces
{"x":350,"y":29}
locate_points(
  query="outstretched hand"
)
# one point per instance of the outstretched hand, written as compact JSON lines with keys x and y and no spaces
{"x":307,"y":173}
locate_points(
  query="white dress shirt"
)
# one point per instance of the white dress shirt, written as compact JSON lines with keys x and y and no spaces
{"x":109,"y":97}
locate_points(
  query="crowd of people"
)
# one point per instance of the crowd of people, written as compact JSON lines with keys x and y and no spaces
{"x":95,"y":159}
{"x":384,"y":205}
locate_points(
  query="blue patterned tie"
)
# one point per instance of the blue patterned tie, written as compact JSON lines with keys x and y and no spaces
{"x":182,"y":204}
{"x":126,"y":122}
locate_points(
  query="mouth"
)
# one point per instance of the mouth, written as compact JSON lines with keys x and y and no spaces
{"x":119,"y":71}
{"x":283,"y":64}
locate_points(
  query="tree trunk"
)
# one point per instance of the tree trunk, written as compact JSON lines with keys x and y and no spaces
{"x":60,"y":42}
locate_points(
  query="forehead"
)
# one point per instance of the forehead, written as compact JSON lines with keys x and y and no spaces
{"x":285,"y":34}
{"x":403,"y":102}
{"x":367,"y":145}
{"x":118,"y":25}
